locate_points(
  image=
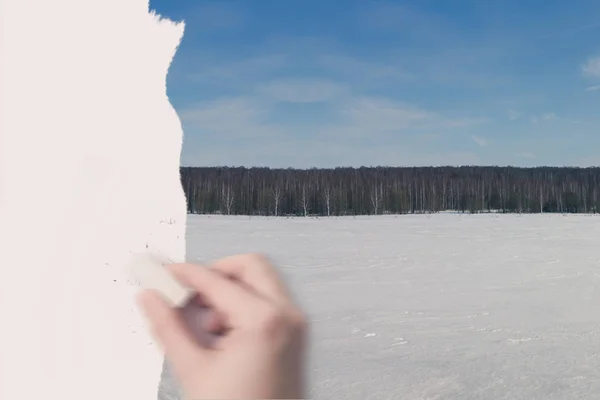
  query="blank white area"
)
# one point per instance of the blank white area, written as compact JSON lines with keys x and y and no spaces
{"x":435,"y":307}
{"x":90,"y":174}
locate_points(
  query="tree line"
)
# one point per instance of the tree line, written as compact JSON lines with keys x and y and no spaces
{"x":390,"y":190}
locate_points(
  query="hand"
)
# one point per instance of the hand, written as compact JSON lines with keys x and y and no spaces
{"x":261,"y":353}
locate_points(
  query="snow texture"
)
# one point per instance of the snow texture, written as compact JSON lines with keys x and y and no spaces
{"x":89,"y":175}
{"x":434,"y":307}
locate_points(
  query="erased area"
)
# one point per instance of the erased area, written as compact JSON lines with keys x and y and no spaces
{"x":445,"y":306}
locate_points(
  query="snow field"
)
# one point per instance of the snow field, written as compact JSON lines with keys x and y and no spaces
{"x":442,"y":306}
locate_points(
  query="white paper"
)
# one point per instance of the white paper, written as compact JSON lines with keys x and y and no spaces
{"x":89,"y":176}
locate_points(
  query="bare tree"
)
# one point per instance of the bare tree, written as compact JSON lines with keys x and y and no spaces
{"x":327,"y":199}
{"x":276,"y":199}
{"x":227,"y":196}
{"x":376,"y":198}
{"x":304,"y":201}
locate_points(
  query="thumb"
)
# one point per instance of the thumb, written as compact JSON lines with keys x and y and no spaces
{"x":170,"y":331}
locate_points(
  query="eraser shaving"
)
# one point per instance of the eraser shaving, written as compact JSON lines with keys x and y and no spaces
{"x":149,"y":271}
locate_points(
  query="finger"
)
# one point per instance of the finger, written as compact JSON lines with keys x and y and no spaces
{"x":257,"y":272}
{"x":213,"y":323}
{"x":198,"y":301}
{"x":227,"y":298}
{"x":202,"y":318}
{"x":166,"y":326}
{"x":201,"y":324}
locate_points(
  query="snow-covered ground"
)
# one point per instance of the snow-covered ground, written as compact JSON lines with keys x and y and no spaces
{"x":434,"y":307}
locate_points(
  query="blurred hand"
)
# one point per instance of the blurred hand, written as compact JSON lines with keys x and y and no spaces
{"x":260,"y":353}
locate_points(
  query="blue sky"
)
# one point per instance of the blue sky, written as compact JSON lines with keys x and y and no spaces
{"x":291,"y":83}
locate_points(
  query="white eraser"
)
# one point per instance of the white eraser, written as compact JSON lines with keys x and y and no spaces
{"x":149,"y":271}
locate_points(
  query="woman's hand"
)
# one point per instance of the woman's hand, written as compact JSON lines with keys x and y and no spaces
{"x":260,"y":353}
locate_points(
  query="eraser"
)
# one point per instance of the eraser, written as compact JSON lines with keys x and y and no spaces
{"x":149,"y":271}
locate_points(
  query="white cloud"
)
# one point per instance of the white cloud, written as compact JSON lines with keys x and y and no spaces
{"x":356,"y":116}
{"x":372,"y":114}
{"x":385,"y":114}
{"x":321,"y":153}
{"x":247,"y":121}
{"x":217,"y":16}
{"x":228,"y":117}
{"x":408,"y":19}
{"x":592,"y":67}
{"x":513,"y":115}
{"x":252,"y":70}
{"x":481,"y":142}
{"x":240,"y":70}
{"x":551,"y":117}
{"x":591,"y":161}
{"x":592,"y":88}
{"x":362,"y":69}
{"x":527,"y":155}
{"x":303,"y":91}
{"x":428,"y":136}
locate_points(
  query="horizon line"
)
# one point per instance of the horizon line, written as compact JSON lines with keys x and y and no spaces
{"x":389,"y":166}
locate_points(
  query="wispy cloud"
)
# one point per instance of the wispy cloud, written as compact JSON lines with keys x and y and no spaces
{"x":240,"y":70}
{"x":481,"y":142}
{"x":513,"y":115}
{"x":407,"y":19}
{"x":217,"y":15}
{"x":526,"y":155}
{"x":357,"y":117}
{"x":570,"y":31}
{"x":354,"y":70}
{"x":551,"y":117}
{"x":228,"y":118}
{"x":592,"y":88}
{"x":590,"y":161}
{"x":591,"y":67}
{"x":303,"y":90}
{"x":383,"y":114}
{"x":428,"y":136}
{"x":324,"y":154}
{"x":395,"y":131}
{"x":352,"y":67}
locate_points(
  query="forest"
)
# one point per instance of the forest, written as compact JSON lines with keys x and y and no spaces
{"x":390,"y":190}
